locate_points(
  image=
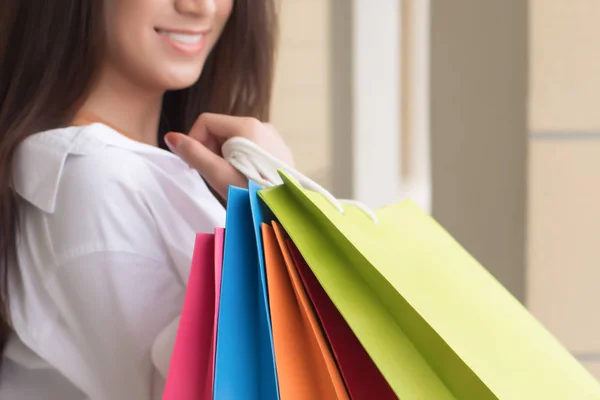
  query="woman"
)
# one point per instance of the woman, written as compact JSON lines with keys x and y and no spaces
{"x":97,"y":218}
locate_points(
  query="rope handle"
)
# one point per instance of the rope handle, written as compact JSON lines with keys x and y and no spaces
{"x":261,"y":167}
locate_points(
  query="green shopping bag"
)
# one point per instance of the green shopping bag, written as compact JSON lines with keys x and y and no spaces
{"x":434,"y":321}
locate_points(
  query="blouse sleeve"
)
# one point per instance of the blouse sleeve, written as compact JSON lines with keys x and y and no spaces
{"x":112,"y":307}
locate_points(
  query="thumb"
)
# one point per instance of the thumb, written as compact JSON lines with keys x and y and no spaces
{"x":216,"y":170}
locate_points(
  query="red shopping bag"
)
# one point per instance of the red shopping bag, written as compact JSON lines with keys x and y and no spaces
{"x":362,"y":378}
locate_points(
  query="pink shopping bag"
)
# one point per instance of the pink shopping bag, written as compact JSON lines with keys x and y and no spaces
{"x":191,"y":372}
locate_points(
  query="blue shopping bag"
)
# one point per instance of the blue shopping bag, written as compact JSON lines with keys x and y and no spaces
{"x":260,"y":215}
{"x":245,"y":363}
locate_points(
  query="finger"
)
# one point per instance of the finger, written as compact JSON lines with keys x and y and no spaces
{"x":216,"y":170}
{"x":208,"y":140}
{"x":194,"y":153}
{"x":199,"y":131}
{"x":224,"y":127}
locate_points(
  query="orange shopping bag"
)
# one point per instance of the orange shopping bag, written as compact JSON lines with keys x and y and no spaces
{"x":305,"y":366}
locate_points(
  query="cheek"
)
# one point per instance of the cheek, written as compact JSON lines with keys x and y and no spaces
{"x":223,"y":11}
{"x":135,"y":51}
{"x":126,"y":30}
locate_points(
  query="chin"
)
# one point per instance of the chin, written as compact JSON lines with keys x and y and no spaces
{"x":182,"y":78}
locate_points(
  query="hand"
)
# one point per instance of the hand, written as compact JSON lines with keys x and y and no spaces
{"x":201,"y":149}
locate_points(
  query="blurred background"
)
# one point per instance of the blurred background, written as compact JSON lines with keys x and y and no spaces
{"x":482,"y":111}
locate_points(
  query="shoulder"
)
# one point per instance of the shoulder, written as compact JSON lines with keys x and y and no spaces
{"x":90,"y":158}
{"x":96,"y":189}
{"x":110,"y":179}
{"x":99,"y":155}
{"x":103,"y":201}
{"x":91,"y":190}
{"x":103,"y":172}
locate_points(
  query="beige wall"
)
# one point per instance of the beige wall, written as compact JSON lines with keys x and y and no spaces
{"x":301,"y":94}
{"x":564,"y":173}
{"x":478,"y":130}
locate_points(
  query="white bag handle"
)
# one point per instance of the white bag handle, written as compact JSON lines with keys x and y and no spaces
{"x":261,"y":167}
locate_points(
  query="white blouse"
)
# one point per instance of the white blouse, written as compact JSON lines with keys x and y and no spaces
{"x":107,"y":233}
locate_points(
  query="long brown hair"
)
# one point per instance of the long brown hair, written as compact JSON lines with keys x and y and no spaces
{"x":49,"y":53}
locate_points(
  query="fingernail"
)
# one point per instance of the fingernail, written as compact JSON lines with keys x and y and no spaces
{"x":172,"y":141}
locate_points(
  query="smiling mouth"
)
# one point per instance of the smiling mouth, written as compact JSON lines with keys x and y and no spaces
{"x":183,"y":38}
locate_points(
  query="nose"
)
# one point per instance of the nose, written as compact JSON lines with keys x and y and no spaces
{"x":196,"y":7}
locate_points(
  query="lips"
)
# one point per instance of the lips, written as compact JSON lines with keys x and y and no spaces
{"x":186,"y":38}
{"x":186,"y":42}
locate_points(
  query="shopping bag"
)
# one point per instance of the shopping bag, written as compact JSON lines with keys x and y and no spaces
{"x":306,"y":368}
{"x":219,"y":245}
{"x":434,"y":321}
{"x":245,"y":365}
{"x":190,"y":374}
{"x":260,"y":214}
{"x":363,"y":379}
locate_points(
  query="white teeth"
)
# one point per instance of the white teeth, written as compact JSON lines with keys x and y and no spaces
{"x":183,"y":37}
